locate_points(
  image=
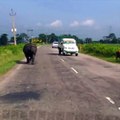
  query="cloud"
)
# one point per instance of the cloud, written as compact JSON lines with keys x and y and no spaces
{"x":56,"y":24}
{"x":75,"y":24}
{"x":39,"y":24}
{"x":88,"y":22}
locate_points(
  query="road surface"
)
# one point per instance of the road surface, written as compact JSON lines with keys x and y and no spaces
{"x":60,"y":87}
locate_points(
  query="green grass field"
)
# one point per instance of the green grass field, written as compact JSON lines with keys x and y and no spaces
{"x":9,"y":55}
{"x":102,"y":51}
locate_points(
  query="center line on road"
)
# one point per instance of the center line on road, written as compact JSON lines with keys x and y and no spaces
{"x":118,"y":108}
{"x":110,"y":100}
{"x":74,"y":70}
{"x":62,"y":60}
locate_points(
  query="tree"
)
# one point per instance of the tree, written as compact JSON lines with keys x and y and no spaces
{"x":118,"y":40}
{"x":42,"y":37}
{"x":20,"y":38}
{"x":88,"y":40}
{"x":23,"y":37}
{"x":4,"y":39}
{"x":52,"y":37}
{"x":111,"y":38}
{"x":101,"y":41}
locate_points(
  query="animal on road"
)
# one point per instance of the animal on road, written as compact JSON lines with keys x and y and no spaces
{"x":30,"y":50}
{"x":117,"y":54}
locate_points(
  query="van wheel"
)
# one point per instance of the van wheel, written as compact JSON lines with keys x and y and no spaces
{"x":63,"y":53}
{"x":76,"y":54}
{"x":59,"y":50}
{"x":59,"y":53}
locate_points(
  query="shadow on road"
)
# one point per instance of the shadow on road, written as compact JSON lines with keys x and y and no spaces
{"x":20,"y":62}
{"x":58,"y":54}
{"x":52,"y":53}
{"x":20,"y":96}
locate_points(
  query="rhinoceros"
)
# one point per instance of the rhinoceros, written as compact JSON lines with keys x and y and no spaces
{"x":30,"y":50}
{"x":117,"y":54}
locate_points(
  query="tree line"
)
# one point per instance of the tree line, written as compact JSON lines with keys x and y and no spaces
{"x":49,"y":38}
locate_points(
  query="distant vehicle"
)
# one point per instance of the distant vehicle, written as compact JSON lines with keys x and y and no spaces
{"x":55,"y":44}
{"x":68,"y":46}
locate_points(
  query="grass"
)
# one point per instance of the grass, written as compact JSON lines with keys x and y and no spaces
{"x":8,"y":57}
{"x":106,"y":57}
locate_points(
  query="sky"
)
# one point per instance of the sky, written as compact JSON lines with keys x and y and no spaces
{"x":83,"y":18}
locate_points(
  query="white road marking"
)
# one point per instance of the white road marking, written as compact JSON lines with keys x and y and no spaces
{"x":110,"y":100}
{"x":118,"y":108}
{"x":28,"y":87}
{"x":74,"y":70}
{"x":62,"y":60}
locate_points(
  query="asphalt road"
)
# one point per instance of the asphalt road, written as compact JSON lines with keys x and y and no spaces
{"x":60,"y":87}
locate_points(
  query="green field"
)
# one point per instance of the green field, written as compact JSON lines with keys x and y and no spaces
{"x":9,"y":55}
{"x":103,"y":51}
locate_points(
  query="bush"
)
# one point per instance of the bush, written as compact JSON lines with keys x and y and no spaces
{"x":106,"y":50}
{"x":9,"y":55}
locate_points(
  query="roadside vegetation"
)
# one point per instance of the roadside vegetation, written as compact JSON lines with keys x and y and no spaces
{"x":103,"y":51}
{"x":9,"y":55}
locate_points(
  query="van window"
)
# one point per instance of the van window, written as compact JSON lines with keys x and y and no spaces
{"x":69,"y":42}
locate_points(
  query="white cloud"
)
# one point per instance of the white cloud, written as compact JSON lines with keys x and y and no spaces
{"x":75,"y":24}
{"x":88,"y":22}
{"x":56,"y":23}
{"x":39,"y":24}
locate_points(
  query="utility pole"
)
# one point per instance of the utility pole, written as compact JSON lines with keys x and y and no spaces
{"x":110,"y":29}
{"x":46,"y":38}
{"x":13,"y":14}
{"x":30,"y":34}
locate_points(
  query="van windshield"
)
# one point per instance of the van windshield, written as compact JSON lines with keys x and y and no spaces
{"x":69,"y":42}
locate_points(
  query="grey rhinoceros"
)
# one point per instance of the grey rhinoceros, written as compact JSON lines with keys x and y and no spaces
{"x":30,"y":50}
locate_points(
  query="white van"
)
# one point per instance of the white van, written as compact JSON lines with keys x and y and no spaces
{"x":68,"y":46}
